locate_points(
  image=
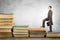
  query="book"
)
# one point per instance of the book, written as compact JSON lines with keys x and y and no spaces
{"x":10,"y":24}
{"x":5,"y":29}
{"x":6,"y":18}
{"x":21,"y":27}
{"x":53,"y":34}
{"x":37,"y":32}
{"x":41,"y":29}
{"x":6,"y":21}
{"x":20,"y":35}
{"x":38,"y":35}
{"x":6,"y":15}
{"x":18,"y":30}
{"x":5,"y":35}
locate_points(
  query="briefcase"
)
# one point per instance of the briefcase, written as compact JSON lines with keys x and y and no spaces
{"x":48,"y":23}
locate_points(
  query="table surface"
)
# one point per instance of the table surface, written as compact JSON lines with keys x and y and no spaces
{"x":30,"y":39}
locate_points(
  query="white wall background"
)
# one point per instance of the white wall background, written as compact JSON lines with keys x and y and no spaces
{"x":32,"y":12}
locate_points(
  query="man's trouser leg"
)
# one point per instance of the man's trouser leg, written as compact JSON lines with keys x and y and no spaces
{"x":43,"y":24}
{"x":50,"y":28}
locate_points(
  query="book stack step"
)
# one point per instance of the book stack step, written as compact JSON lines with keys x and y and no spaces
{"x":20,"y":31}
{"x":6,"y":19}
{"x":53,"y":34}
{"x":37,"y":32}
{"x":6,"y":23}
{"x":5,"y":33}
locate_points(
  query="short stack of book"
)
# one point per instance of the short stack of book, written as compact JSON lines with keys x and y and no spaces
{"x":5,"y":33}
{"x":53,"y":34}
{"x":37,"y":32}
{"x":20,"y":31}
{"x":6,"y":23}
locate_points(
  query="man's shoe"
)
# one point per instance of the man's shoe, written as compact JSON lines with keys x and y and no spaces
{"x":43,"y":26}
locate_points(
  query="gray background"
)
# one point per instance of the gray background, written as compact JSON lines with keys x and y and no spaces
{"x":32,"y":12}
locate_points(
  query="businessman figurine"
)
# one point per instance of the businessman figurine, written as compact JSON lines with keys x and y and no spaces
{"x":49,"y":19}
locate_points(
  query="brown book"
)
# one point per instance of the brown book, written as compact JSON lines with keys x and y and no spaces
{"x":20,"y":30}
{"x":53,"y":34}
{"x":6,"y":16}
{"x":38,"y":35}
{"x":37,"y":29}
{"x":5,"y":29}
{"x":10,"y":24}
{"x":6,"y":21}
{"x":5,"y":35}
{"x":20,"y":35}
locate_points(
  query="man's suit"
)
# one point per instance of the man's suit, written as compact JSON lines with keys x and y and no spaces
{"x":49,"y":19}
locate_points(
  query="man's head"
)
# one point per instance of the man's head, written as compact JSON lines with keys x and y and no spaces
{"x":50,"y":7}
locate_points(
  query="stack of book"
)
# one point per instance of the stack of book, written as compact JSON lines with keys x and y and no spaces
{"x":53,"y":34}
{"x":37,"y":32}
{"x":6,"y":19}
{"x":20,"y":31}
{"x":5,"y":33}
{"x":6,"y":22}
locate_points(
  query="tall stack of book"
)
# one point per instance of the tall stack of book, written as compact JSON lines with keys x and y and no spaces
{"x":37,"y":32}
{"x":20,"y":31}
{"x":6,"y":22}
